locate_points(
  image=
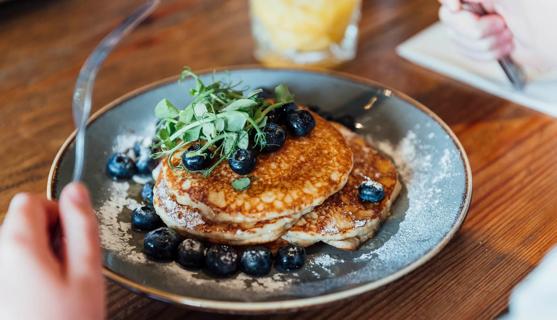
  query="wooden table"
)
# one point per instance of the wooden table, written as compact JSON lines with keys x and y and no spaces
{"x":512,"y":150}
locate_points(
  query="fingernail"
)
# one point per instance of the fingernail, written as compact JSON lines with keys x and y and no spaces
{"x":78,"y":194}
{"x":20,"y":199}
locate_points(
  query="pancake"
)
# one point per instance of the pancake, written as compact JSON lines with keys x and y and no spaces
{"x":344,"y":221}
{"x":187,"y":220}
{"x":301,"y":175}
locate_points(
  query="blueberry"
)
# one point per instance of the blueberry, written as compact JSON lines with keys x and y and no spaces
{"x":274,"y":116}
{"x":279,"y":114}
{"x":300,"y":123}
{"x":146,"y":165}
{"x":288,"y":108}
{"x":274,"y":137}
{"x":371,"y":191}
{"x":256,"y":261}
{"x":265,"y":93}
{"x":242,"y":161}
{"x":221,"y":260}
{"x":198,"y":162}
{"x":290,"y":257}
{"x":145,"y":219}
{"x":144,"y":160}
{"x":147,"y":193}
{"x":161,"y":244}
{"x":347,"y":121}
{"x":120,"y":166}
{"x":137,"y":149}
{"x":191,"y":254}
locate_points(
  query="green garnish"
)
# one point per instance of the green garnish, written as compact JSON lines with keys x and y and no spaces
{"x":221,"y":116}
{"x":241,"y":184}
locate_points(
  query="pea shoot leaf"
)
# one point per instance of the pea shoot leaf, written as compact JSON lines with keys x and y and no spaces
{"x":235,"y":120}
{"x":243,"y":139}
{"x":240,"y":104}
{"x":283,"y":94}
{"x":165,"y":109}
{"x":186,"y":115}
{"x":220,"y":115}
{"x":241,"y":184}
{"x":199,"y":110}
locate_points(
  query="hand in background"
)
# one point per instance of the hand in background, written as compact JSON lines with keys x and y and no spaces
{"x":479,"y":37}
{"x":522,"y":28}
{"x":34,"y":282}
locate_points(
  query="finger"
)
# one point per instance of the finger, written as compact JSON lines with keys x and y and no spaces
{"x":453,"y":5}
{"x":79,"y":225}
{"x":470,"y":25}
{"x":488,"y":5}
{"x":28,"y":221}
{"x":488,"y":43}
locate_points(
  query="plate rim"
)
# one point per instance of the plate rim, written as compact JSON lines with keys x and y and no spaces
{"x":285,"y":305}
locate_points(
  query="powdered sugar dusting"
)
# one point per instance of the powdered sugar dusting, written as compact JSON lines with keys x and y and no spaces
{"x":424,"y":171}
{"x":117,"y":238}
{"x":418,"y":223}
{"x":432,"y":174}
{"x":188,"y":218}
{"x":330,"y":228}
{"x":115,"y":234}
{"x":325,"y":260}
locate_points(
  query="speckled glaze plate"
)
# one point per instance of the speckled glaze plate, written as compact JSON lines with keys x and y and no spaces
{"x":433,"y":203}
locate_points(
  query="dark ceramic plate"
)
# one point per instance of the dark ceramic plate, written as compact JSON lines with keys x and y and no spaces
{"x":430,"y":209}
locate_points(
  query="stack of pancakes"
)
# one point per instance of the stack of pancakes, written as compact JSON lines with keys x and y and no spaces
{"x":304,"y":193}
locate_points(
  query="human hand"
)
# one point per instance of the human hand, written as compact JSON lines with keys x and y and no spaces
{"x":34,"y":282}
{"x":479,"y":37}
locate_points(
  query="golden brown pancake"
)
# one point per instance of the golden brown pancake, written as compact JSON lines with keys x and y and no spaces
{"x":343,"y":220}
{"x":188,"y":221}
{"x":301,"y":175}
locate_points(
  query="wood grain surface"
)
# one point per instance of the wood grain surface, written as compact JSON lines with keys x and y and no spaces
{"x":513,"y":151}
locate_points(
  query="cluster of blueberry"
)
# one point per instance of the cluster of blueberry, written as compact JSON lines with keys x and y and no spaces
{"x":164,"y":244}
{"x":345,"y":119}
{"x":242,"y":161}
{"x":122,"y":165}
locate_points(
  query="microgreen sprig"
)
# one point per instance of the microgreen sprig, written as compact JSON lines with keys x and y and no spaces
{"x":221,"y":116}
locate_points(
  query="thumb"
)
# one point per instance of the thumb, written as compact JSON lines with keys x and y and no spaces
{"x":79,"y":225}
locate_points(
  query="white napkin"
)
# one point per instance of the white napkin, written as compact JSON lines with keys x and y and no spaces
{"x":536,"y":296}
{"x":433,"y":49}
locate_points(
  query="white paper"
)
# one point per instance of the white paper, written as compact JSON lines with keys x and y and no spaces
{"x":433,"y":49}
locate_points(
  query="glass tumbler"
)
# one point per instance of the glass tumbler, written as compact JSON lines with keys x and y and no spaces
{"x":305,"y":33}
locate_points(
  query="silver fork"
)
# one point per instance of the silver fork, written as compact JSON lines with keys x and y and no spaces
{"x":81,"y":106}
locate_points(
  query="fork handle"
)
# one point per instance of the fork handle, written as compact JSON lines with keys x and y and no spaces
{"x":81,"y":105}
